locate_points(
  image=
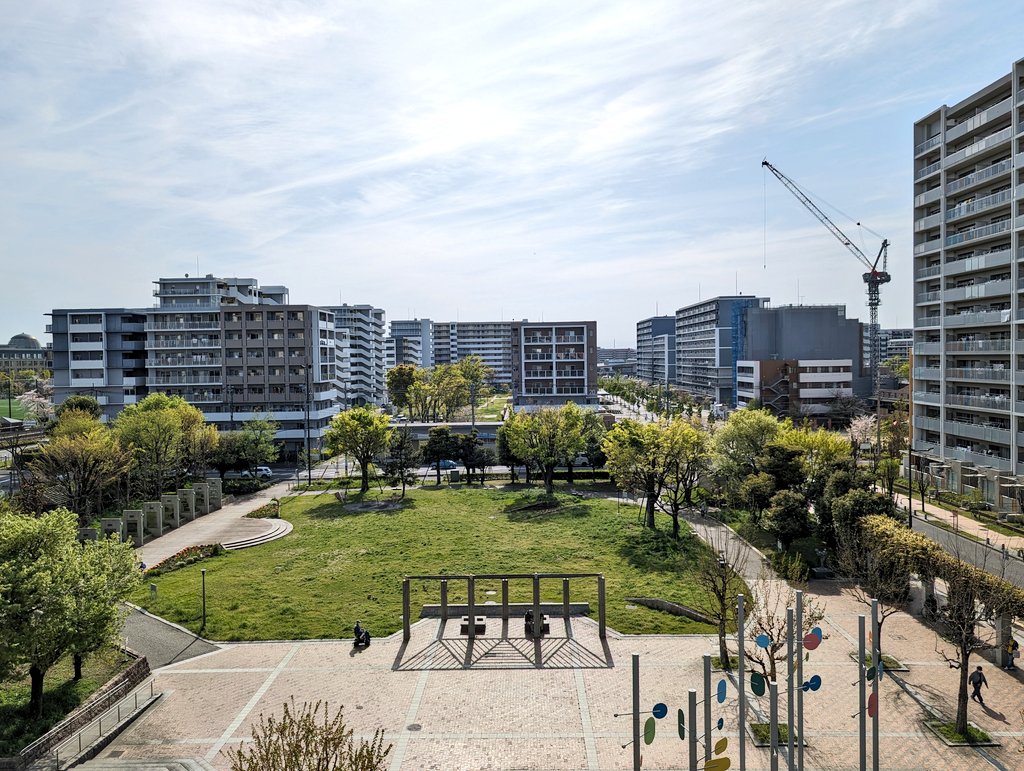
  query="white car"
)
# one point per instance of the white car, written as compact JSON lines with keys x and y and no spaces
{"x":262,"y":472}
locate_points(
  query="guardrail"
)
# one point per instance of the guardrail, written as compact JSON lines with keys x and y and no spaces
{"x":119,"y":710}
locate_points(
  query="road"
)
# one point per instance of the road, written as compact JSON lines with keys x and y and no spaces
{"x":989,"y":558}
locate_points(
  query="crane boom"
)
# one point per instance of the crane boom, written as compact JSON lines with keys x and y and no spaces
{"x":874,"y":278}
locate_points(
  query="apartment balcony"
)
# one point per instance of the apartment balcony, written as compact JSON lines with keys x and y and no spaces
{"x":537,"y":373}
{"x":925,"y":348}
{"x":933,"y":320}
{"x":927,"y":171}
{"x":976,"y":121}
{"x":984,"y":402}
{"x":568,"y":357}
{"x":985,"y":231}
{"x":924,"y":423}
{"x":171,"y":326}
{"x":980,"y":259}
{"x":928,"y":144}
{"x":538,"y":391}
{"x":977,"y":177}
{"x":928,"y":272}
{"x":980,"y":205}
{"x":977,"y":431}
{"x":571,"y":391}
{"x":927,"y":297}
{"x":978,"y":373}
{"x":928,"y":196}
{"x":195,"y":342}
{"x":924,"y":397}
{"x":988,"y":289}
{"x":537,"y":356}
{"x":175,"y":307}
{"x":971,"y":319}
{"x":931,"y":245}
{"x":570,"y":373}
{"x":575,"y":339}
{"x":184,"y":380}
{"x":927,"y":222}
{"x":977,"y":458}
{"x":985,"y":143}
{"x":537,"y":340}
{"x":927,"y":373}
{"x":978,"y":346}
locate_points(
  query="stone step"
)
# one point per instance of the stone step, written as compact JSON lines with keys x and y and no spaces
{"x":119,"y":764}
{"x":279,"y":528}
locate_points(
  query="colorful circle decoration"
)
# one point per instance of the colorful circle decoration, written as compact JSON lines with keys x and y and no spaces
{"x":763,"y":641}
{"x":649,"y":730}
{"x":870,"y":674}
{"x":818,"y":633}
{"x":757,"y":683}
{"x":811,"y":641}
{"x":721,"y":722}
{"x":872,"y":705}
{"x":721,"y":691}
{"x":659,"y":711}
{"x":681,"y":723}
{"x":813,"y":684}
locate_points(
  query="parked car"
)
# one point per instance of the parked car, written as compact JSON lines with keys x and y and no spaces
{"x":262,"y":472}
{"x":446,"y":465}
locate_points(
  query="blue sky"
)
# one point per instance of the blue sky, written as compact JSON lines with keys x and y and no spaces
{"x":570,"y":160}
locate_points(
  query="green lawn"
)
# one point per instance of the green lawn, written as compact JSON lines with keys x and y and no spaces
{"x":16,"y":411}
{"x":61,"y":694}
{"x":337,"y":567}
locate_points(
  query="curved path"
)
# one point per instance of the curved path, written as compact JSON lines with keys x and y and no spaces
{"x":225,"y":525}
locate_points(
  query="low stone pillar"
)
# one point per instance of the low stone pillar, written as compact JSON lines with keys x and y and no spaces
{"x":602,"y":629}
{"x":565,"y":598}
{"x":216,"y":495}
{"x":538,"y":619}
{"x":504,"y":601}
{"x":444,"y":600}
{"x":406,"y":610}
{"x":187,"y":503}
{"x":153,"y":513}
{"x":172,"y":514}
{"x":134,"y":527}
{"x":202,"y":492}
{"x":1004,"y":631}
{"x":112,"y":526}
{"x":471,"y":605}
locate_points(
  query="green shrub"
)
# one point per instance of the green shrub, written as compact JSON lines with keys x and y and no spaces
{"x":790,"y":566}
{"x":185,"y":557}
{"x":243,"y":486}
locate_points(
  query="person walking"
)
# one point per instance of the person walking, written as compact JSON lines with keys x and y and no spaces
{"x":1012,"y":652}
{"x":977,"y":679}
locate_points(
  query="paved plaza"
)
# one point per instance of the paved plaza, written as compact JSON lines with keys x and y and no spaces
{"x":504,"y":703}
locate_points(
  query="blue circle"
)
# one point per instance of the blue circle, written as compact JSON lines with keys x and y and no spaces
{"x":721,"y":722}
{"x":660,"y":710}
{"x":721,"y":691}
{"x":763,"y":641}
{"x":817,"y":631}
{"x":814,"y":683}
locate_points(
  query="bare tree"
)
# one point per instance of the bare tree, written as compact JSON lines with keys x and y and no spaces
{"x":770,"y":598}
{"x":882,"y":574}
{"x":716,"y":574}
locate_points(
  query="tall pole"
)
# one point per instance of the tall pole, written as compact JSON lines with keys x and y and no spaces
{"x":203,"y":571}
{"x":874,"y":683}
{"x":773,"y":706}
{"x":789,"y":688}
{"x":800,"y":681}
{"x":742,"y":672}
{"x":862,"y":724}
{"x":309,"y":460}
{"x":707,"y":707}
{"x":636,"y":706}
{"x":691,"y":733}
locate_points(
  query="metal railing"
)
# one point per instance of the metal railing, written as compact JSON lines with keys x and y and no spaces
{"x":982,"y":232}
{"x":979,"y":176}
{"x":121,"y":707}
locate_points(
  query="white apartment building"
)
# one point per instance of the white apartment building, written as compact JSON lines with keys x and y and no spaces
{"x":656,"y":350}
{"x":363,"y":378}
{"x":968,"y":354}
{"x":490,"y":340}
{"x":410,"y":341}
{"x":554,"y":363}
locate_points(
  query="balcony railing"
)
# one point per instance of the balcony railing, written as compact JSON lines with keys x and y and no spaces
{"x":184,"y":361}
{"x":927,"y":373}
{"x":160,"y":326}
{"x":204,"y":342}
{"x":537,"y":356}
{"x":977,"y":458}
{"x":536,"y":339}
{"x":928,"y":321}
{"x":982,"y":144}
{"x":977,"y":373}
{"x":980,"y":317}
{"x":979,"y":205}
{"x":931,"y":245}
{"x":981,"y":431}
{"x":922,"y":348}
{"x":989,"y":402}
{"x":928,"y":144}
{"x":925,"y":397}
{"x":981,"y":232}
{"x":977,"y":346}
{"x":979,"y":259}
{"x":975,"y":121}
{"x":927,"y":297}
{"x":928,"y":272}
{"x":979,"y":176}
{"x":931,"y":168}
{"x":185,"y":380}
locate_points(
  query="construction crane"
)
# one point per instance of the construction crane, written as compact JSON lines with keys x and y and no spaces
{"x":874,"y":278}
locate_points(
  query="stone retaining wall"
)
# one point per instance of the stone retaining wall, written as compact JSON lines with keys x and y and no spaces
{"x":671,"y":607}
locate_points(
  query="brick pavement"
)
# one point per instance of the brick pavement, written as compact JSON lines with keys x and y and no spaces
{"x":560,"y":716}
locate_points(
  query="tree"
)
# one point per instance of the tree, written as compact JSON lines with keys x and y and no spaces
{"x":505,"y":455}
{"x":896,"y":429}
{"x":787,"y":517}
{"x":199,"y":446}
{"x":402,"y":458}
{"x":361,"y":432}
{"x":441,"y":445}
{"x":767,"y":615}
{"x":888,"y":472}
{"x":72,"y":422}
{"x":399,"y":380}
{"x":476,"y":374}
{"x":468,"y":445}
{"x":738,"y":443}
{"x":255,"y":445}
{"x":546,"y":437}
{"x":593,"y":440}
{"x":688,"y":458}
{"x":303,"y":741}
{"x":87,"y":404}
{"x":638,"y":458}
{"x":756,"y":493}
{"x":46,"y":581}
{"x":862,"y":431}
{"x":76,"y":470}
{"x":155,"y":430}
{"x":716,"y":574}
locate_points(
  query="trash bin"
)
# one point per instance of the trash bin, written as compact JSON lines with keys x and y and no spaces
{"x":453,"y":476}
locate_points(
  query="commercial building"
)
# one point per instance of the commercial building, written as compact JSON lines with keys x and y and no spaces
{"x":362,"y":381}
{"x":23,"y":352}
{"x":656,"y":349}
{"x":554,"y":363}
{"x":706,"y":334}
{"x":490,"y":340}
{"x":967,"y":366}
{"x":231,"y":348}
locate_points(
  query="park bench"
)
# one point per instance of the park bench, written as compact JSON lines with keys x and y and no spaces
{"x":545,"y":627}
{"x":479,"y":625}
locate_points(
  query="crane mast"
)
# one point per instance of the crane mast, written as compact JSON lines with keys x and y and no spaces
{"x":873,"y":278}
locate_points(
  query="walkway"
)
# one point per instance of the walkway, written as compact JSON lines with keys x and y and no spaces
{"x":226,"y":524}
{"x":963,"y":523}
{"x":161,"y":642}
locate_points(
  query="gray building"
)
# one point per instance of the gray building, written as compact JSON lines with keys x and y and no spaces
{"x":417,"y":336}
{"x":362,"y":380}
{"x":23,"y":352}
{"x":706,"y":334}
{"x":490,"y":340}
{"x":554,"y":363}
{"x":968,"y":381}
{"x":656,"y":349}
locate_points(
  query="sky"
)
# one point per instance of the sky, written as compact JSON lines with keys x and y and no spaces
{"x":464,"y":160}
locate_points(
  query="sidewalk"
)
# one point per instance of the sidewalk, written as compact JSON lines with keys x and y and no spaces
{"x":963,"y":523}
{"x":226,"y":524}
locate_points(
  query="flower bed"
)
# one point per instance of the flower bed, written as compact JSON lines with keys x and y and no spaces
{"x":187,"y":556}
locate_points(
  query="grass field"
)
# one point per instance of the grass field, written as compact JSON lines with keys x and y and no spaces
{"x":337,"y":566}
{"x":61,"y":694}
{"x":16,"y":411}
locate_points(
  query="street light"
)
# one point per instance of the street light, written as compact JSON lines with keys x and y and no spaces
{"x":203,"y":571}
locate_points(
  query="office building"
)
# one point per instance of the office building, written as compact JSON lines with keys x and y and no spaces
{"x":706,"y":334}
{"x":22,"y":353}
{"x":490,"y":340}
{"x":362,"y":381}
{"x":554,"y":363}
{"x":967,"y":373}
{"x":656,"y":350}
{"x":231,"y":348}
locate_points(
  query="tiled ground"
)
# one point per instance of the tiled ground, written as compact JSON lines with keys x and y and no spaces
{"x":505,"y":712}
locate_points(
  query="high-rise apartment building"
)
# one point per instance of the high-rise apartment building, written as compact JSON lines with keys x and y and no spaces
{"x":967,"y":352}
{"x":490,"y":340}
{"x":231,"y":348}
{"x":707,"y":333}
{"x":656,"y":349}
{"x":363,"y":380}
{"x":411,"y":341}
{"x":554,"y":363}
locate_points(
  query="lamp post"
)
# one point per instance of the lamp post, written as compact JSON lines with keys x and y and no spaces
{"x":203,"y":571}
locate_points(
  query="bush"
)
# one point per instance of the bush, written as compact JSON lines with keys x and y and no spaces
{"x":271,"y":510}
{"x":243,"y":486}
{"x":185,"y":557}
{"x":791,"y":566}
